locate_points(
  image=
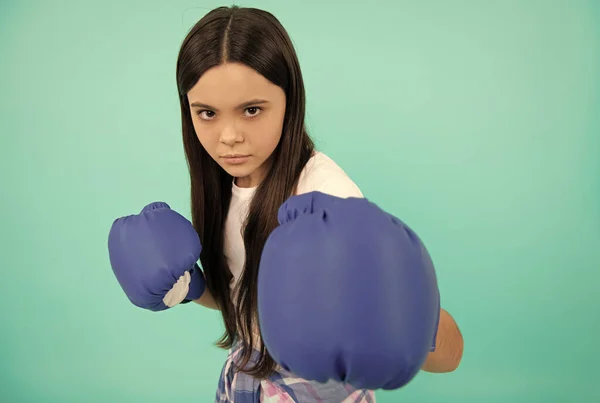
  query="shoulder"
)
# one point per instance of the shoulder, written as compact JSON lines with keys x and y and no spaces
{"x":324,"y":175}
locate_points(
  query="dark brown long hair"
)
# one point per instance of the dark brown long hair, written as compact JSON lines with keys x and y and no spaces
{"x":255,"y":38}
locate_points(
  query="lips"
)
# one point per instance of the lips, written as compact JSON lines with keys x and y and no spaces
{"x":235,"y":159}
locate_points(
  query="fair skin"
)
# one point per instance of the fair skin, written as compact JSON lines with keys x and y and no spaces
{"x":236,"y":111}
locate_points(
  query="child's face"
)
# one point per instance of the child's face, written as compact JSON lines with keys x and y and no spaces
{"x":236,"y":111}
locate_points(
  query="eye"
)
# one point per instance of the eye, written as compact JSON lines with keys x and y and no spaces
{"x":206,"y":114}
{"x":253,"y":111}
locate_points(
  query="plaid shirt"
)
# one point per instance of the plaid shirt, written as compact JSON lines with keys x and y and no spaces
{"x":281,"y":387}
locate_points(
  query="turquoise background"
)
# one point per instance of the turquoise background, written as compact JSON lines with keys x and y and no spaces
{"x":476,"y":122}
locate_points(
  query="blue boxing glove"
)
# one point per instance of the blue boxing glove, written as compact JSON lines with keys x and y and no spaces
{"x":153,"y":255}
{"x":346,"y":292}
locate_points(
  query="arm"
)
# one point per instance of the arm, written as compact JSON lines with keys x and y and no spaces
{"x":449,"y":347}
{"x":207,"y":300}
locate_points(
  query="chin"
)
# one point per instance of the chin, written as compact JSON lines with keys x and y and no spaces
{"x":238,"y":171}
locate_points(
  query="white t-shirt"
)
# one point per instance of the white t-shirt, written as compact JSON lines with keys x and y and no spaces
{"x":320,"y":173}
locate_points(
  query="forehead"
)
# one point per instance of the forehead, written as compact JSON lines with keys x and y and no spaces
{"x":230,"y":84}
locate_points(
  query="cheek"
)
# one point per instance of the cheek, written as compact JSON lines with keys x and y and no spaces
{"x":205,"y":137}
{"x":268,"y":135}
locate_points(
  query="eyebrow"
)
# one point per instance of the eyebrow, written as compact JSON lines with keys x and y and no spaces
{"x":255,"y":101}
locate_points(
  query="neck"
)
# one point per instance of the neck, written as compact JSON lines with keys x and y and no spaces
{"x":256,"y":177}
{"x":246,"y":182}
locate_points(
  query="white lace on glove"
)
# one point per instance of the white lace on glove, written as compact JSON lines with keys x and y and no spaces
{"x":179,"y":290}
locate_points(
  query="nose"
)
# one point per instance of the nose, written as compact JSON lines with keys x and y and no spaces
{"x":230,"y":135}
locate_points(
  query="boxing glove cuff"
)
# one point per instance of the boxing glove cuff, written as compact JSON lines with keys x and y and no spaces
{"x":197,"y":284}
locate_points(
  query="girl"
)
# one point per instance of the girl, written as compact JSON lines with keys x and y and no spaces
{"x":243,"y":109}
